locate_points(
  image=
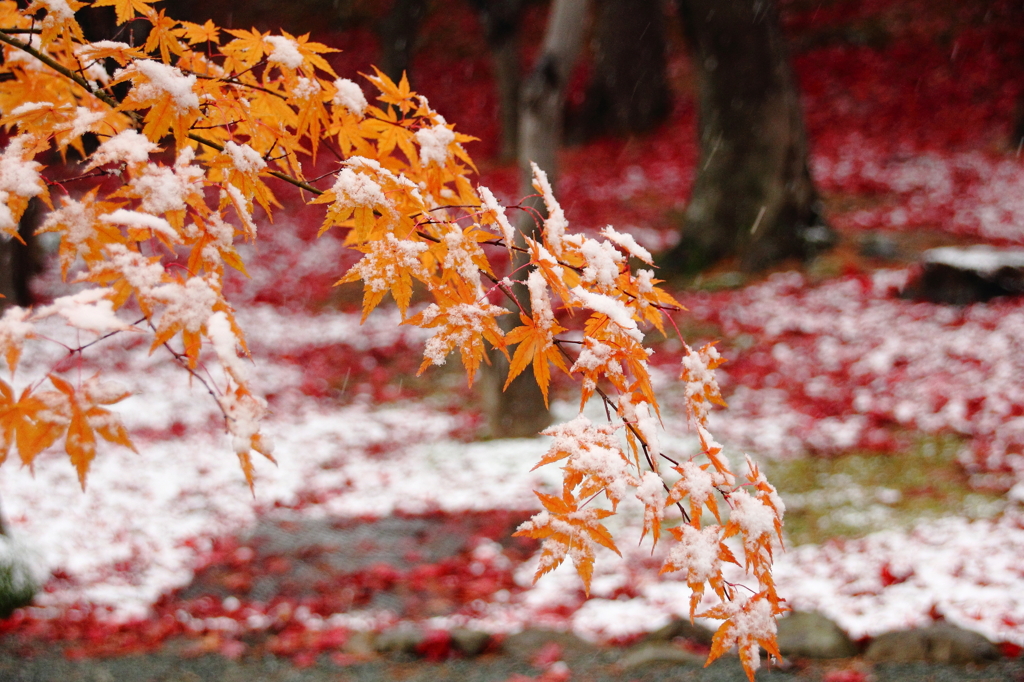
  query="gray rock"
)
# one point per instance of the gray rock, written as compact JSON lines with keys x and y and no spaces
{"x":400,"y":640}
{"x":655,"y":653}
{"x":21,"y":574}
{"x":812,"y":635}
{"x":960,"y":276}
{"x":940,"y":643}
{"x":526,"y":644}
{"x":679,"y":627}
{"x":469,"y":642}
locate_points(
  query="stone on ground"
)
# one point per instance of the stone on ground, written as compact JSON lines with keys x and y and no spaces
{"x":940,"y":643}
{"x":812,"y":635}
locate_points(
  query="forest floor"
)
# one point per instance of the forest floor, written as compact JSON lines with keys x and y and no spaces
{"x":893,"y":428}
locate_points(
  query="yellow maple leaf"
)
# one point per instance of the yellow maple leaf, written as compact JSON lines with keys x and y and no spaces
{"x":536,"y":347}
{"x":246,"y":50}
{"x":199,"y":33}
{"x":86,"y":420}
{"x":163,"y":35}
{"x":165,"y":93}
{"x":127,"y":9}
{"x":32,"y":423}
{"x":400,"y":95}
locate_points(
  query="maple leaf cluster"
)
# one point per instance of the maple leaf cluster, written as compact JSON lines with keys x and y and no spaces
{"x":178,"y":137}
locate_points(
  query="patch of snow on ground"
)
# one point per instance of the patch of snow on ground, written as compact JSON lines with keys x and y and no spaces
{"x":139,"y":528}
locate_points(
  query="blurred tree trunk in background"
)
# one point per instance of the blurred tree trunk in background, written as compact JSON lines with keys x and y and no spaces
{"x":398,"y":31}
{"x":628,"y":92}
{"x":19,"y":262}
{"x":519,"y":411}
{"x":753,"y":196}
{"x":501,"y":20}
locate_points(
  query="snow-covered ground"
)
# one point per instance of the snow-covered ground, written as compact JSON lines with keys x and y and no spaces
{"x":145,"y":519}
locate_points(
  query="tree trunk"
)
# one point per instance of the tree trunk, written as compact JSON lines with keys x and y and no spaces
{"x":753,"y":196}
{"x":501,"y":20}
{"x":629,"y":89}
{"x":19,"y":262}
{"x":519,"y":411}
{"x":398,"y":36}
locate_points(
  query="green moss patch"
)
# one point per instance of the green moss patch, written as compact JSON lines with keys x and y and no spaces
{"x":860,"y":493}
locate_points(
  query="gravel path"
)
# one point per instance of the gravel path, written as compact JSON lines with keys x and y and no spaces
{"x":167,"y":666}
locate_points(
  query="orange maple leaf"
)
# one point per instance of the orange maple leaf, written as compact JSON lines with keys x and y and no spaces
{"x":700,"y":552}
{"x":246,"y":50}
{"x":400,"y":95}
{"x":536,"y":347}
{"x":388,"y":266}
{"x":696,"y":482}
{"x":14,"y":329}
{"x":86,"y":419}
{"x":567,"y":530}
{"x":748,"y":624}
{"x":461,"y":322}
{"x":127,"y":9}
{"x":22,"y":424}
{"x":200,"y":33}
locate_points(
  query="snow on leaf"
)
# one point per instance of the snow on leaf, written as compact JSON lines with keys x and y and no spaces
{"x":187,"y":307}
{"x":388,"y":266}
{"x":699,"y":553}
{"x":567,"y":530}
{"x":491,"y":205}
{"x":596,"y":360}
{"x":244,"y":413}
{"x":122,"y":53}
{"x":610,"y":308}
{"x":651,"y":493}
{"x":165,"y":92}
{"x":595,"y":463}
{"x":555,"y":224}
{"x":602,"y":263}
{"x":701,"y":386}
{"x":434,"y":144}
{"x":350,"y":96}
{"x":699,"y":485}
{"x":128,"y":146}
{"x":283,"y":51}
{"x":628,"y":243}
{"x":19,"y":181}
{"x":59,"y":20}
{"x":460,"y":322}
{"x":359,"y":196}
{"x":749,"y":623}
{"x":127,"y":272}
{"x":89,"y":310}
{"x":144,"y":225}
{"x":535,"y":338}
